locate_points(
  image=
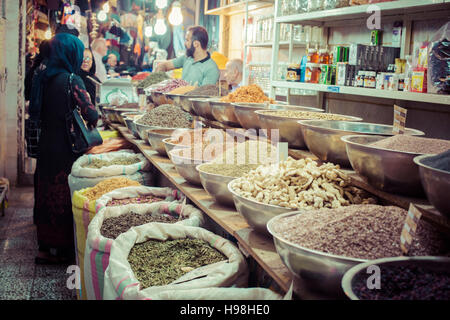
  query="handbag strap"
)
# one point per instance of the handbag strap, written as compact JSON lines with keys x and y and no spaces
{"x":69,"y":93}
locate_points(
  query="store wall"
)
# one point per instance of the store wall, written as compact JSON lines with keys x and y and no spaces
{"x":12,"y":109}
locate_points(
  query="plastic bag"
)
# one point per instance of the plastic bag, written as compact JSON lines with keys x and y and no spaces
{"x":121,"y":283}
{"x":439,"y":61}
{"x":98,"y":247}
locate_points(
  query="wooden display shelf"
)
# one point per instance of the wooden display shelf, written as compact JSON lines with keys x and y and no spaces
{"x":259,"y":246}
{"x":239,"y":7}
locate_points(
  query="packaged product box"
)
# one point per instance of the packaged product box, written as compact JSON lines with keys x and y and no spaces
{"x":419,"y":81}
{"x":342,"y":69}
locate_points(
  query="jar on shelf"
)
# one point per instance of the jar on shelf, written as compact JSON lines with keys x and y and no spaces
{"x":360,"y":79}
{"x":293,"y":73}
{"x":370,"y":79}
{"x":324,"y":56}
{"x":313,"y":55}
{"x":312,"y":73}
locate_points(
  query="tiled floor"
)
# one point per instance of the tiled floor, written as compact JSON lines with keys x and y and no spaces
{"x":20,"y":278}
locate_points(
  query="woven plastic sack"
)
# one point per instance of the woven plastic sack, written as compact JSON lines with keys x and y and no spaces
{"x":218,"y":294}
{"x":121,"y":283}
{"x":98,"y":247}
{"x":167,"y":194}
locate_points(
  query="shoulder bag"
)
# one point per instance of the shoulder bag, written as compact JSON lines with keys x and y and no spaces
{"x":81,"y":138}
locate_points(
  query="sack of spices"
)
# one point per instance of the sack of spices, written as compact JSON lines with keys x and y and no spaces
{"x":83,"y":209}
{"x":90,"y":169}
{"x":111,"y":221}
{"x":156,"y":258}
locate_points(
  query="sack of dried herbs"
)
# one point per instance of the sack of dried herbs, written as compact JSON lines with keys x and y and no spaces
{"x":111,"y":221}
{"x":158,"y":258}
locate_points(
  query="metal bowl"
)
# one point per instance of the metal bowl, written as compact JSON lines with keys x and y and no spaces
{"x":156,"y":137}
{"x":101,"y":106}
{"x":172,"y":146}
{"x":432,"y":263}
{"x":202,"y":108}
{"x":256,"y":214}
{"x":387,"y":170}
{"x":317,"y":275}
{"x":110,"y":115}
{"x":186,"y":103}
{"x":159,"y":98}
{"x":248,"y":119}
{"x":289,"y":128}
{"x":173,"y":98}
{"x":120,"y":113}
{"x":217,"y":186}
{"x":323,"y":137}
{"x":186,"y":167}
{"x":223,"y":112}
{"x":131,"y":125}
{"x":142,"y":130}
{"x":436,"y":184}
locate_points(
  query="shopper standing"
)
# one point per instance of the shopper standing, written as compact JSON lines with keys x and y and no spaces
{"x":53,"y":207}
{"x":99,"y":50}
{"x":233,"y":73}
{"x":87,"y":73}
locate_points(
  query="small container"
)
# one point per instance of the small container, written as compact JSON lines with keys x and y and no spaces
{"x":293,"y":73}
{"x":313,"y":56}
{"x":360,"y":79}
{"x":312,"y":73}
{"x":324,"y":56}
{"x":401,"y":82}
{"x":370,"y":79}
{"x":407,"y":84}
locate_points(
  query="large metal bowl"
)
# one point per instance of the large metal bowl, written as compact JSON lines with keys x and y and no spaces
{"x":131,"y":125}
{"x":156,"y":137}
{"x":173,"y":98}
{"x":120,"y":113}
{"x":223,"y":112}
{"x":186,"y":167}
{"x":172,"y":146}
{"x":432,"y":263}
{"x":248,"y":119}
{"x":256,"y":214}
{"x":109,"y":114}
{"x":186,"y":103}
{"x":202,"y":108}
{"x":387,"y":170}
{"x":289,"y":128}
{"x":317,"y":275}
{"x":159,"y":98}
{"x":436,"y":184}
{"x":142,"y":130}
{"x":217,"y":186}
{"x":323,"y":137}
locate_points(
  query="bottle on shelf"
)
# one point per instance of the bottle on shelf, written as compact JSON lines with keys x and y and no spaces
{"x":313,"y":55}
{"x":324,"y":56}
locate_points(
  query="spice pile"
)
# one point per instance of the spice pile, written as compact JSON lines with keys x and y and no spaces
{"x":158,"y":263}
{"x":359,"y":231}
{"x":140,"y":200}
{"x":440,"y":161}
{"x":300,"y":184}
{"x":171,"y":85}
{"x":167,"y":116}
{"x":108,"y":185}
{"x":182,"y":90}
{"x":252,"y":93}
{"x":305,"y":115}
{"x":199,"y":136}
{"x":249,"y":152}
{"x":228,"y":170}
{"x":152,"y":78}
{"x":405,"y":283}
{"x":414,"y":144}
{"x":99,"y":163}
{"x":115,"y":226}
{"x":211,"y":90}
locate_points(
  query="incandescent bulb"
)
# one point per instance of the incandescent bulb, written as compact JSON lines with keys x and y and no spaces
{"x":160,"y":27}
{"x":106,"y":7}
{"x":48,"y":34}
{"x":175,"y":16}
{"x":148,"y":31}
{"x":161,"y":4}
{"x":102,"y":16}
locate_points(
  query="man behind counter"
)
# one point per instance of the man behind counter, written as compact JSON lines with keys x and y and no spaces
{"x":198,"y":67}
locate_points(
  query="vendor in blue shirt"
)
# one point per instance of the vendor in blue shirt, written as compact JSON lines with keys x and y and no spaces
{"x":198,"y":67}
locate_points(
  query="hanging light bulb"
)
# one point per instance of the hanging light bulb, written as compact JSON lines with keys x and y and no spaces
{"x":48,"y":34}
{"x":161,"y":4}
{"x":148,"y":31}
{"x":175,"y":16}
{"x":106,"y":7}
{"x":160,"y":26}
{"x":102,"y":16}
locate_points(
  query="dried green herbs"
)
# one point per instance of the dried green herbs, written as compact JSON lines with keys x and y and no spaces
{"x":158,"y":263}
{"x":99,"y":163}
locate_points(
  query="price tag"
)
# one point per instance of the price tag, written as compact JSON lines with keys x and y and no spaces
{"x":399,"y":119}
{"x":283,"y":151}
{"x":333,"y":89}
{"x":409,"y":228}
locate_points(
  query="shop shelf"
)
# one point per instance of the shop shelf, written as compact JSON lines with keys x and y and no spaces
{"x":239,"y":7}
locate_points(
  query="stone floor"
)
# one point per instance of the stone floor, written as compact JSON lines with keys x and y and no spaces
{"x":20,"y":278}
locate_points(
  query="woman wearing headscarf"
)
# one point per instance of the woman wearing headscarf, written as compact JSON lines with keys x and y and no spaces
{"x":53,"y":208}
{"x":87,"y":73}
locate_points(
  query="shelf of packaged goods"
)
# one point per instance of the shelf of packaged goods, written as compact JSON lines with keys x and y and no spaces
{"x":387,"y":94}
{"x":283,"y":44}
{"x":392,"y":8}
{"x":239,"y":7}
{"x":259,"y":246}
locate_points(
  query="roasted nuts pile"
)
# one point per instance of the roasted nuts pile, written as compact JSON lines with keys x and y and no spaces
{"x":300,"y":184}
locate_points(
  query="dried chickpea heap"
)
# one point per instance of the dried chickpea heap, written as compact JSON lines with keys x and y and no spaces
{"x":108,"y":185}
{"x":252,"y":93}
{"x":300,"y":184}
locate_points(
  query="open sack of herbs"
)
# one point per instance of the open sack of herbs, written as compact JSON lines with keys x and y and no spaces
{"x":162,"y":257}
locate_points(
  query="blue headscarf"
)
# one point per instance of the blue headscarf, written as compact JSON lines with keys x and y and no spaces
{"x":66,"y":56}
